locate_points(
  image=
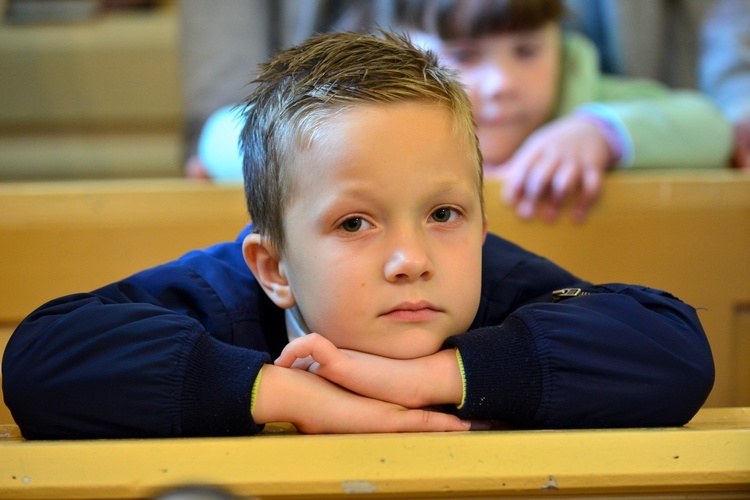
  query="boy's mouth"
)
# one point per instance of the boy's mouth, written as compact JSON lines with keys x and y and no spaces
{"x":412,"y":311}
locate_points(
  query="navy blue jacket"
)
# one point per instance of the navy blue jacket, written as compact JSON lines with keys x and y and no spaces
{"x":174,"y":351}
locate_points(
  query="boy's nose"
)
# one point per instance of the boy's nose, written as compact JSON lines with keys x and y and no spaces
{"x":408,"y":262}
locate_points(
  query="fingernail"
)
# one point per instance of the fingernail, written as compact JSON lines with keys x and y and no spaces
{"x":466,"y":424}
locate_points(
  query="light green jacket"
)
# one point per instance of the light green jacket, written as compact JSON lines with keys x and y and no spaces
{"x":659,"y":127}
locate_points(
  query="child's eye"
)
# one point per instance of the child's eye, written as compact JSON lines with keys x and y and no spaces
{"x":527,"y":50}
{"x":460,"y":55}
{"x":354,"y":224}
{"x":444,"y":214}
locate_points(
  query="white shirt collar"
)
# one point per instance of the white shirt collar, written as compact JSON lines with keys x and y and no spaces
{"x":295,"y":324}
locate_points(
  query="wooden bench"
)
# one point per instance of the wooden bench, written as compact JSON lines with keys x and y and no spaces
{"x":686,"y":232}
{"x":707,"y":458}
{"x":95,"y":99}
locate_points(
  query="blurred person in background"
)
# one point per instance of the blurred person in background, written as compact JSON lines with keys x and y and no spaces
{"x":533,"y":188}
{"x":699,"y":44}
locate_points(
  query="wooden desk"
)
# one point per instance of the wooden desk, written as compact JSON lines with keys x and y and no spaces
{"x":708,"y":458}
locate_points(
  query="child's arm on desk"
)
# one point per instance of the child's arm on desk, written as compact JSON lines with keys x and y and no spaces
{"x":315,"y":405}
{"x":615,"y":356}
{"x":174,"y":351}
{"x":412,"y":383}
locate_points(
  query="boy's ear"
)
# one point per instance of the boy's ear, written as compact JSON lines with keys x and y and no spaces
{"x":264,"y":262}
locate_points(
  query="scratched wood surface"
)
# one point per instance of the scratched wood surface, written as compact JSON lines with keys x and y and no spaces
{"x":708,"y":458}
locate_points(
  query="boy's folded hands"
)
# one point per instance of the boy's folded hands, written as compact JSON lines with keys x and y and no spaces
{"x":347,"y":391}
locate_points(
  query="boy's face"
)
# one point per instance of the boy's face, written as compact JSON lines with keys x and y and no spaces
{"x":512,"y":80}
{"x":384,"y":230}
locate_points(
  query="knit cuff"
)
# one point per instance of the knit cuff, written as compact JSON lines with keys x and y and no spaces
{"x":217,"y":389}
{"x":463,"y":379}
{"x":614,"y":131}
{"x":503,"y":373}
{"x":254,"y":392}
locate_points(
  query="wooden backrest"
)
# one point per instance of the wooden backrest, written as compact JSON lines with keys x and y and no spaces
{"x":688,"y":233}
{"x":96,"y":99}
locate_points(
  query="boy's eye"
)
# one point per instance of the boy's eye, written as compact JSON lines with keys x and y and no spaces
{"x":444,"y":214}
{"x":353,"y":225}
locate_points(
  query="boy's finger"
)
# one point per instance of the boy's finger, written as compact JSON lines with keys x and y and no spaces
{"x":304,"y":352}
{"x":431,"y":421}
{"x":298,"y":348}
{"x":304,"y":364}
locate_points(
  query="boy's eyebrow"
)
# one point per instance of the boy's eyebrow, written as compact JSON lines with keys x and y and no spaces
{"x":448,"y":187}
{"x":364,"y":192}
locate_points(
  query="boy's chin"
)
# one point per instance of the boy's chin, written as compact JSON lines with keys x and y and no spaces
{"x":408,"y":347}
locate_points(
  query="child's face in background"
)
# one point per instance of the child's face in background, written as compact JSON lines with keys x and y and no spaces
{"x":384,"y":230}
{"x":512,"y":80}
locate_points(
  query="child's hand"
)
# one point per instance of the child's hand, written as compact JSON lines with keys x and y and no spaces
{"x":195,"y":169}
{"x":413,"y":383}
{"x":316,"y":406}
{"x":562,"y":162}
{"x":741,"y":158}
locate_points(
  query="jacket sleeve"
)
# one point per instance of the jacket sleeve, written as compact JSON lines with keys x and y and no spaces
{"x":621,"y":356}
{"x":658,"y":127}
{"x":676,"y":129}
{"x":149,"y":356}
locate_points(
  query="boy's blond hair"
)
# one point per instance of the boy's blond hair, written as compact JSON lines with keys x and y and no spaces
{"x":302,"y":87}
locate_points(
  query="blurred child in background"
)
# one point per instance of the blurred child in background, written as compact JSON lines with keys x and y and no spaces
{"x":697,"y":44}
{"x":549,"y":122}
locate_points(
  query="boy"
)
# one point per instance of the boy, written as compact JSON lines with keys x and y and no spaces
{"x":364,"y":181}
{"x":548,"y":120}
